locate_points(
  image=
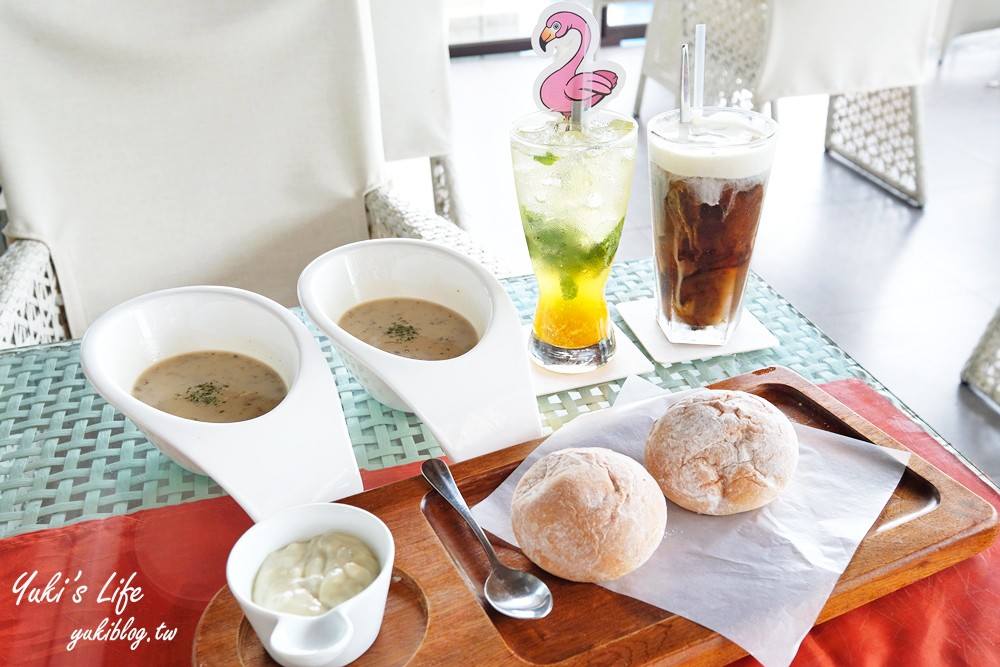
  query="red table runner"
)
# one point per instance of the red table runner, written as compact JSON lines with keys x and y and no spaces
{"x":130,"y":589}
{"x":949,"y":618}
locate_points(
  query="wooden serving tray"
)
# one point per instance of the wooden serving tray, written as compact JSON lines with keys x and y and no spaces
{"x":436,"y":613}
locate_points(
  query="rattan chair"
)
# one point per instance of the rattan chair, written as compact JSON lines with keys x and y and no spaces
{"x":982,"y":370}
{"x":869,"y":57}
{"x":84,"y":140}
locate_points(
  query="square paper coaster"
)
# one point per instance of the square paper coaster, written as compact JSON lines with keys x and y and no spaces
{"x":628,"y":360}
{"x":640,"y":315}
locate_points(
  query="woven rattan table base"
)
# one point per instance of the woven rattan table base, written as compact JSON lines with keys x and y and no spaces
{"x":66,"y":455}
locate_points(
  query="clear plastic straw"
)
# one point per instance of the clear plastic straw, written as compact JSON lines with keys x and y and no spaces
{"x":699,"y":66}
{"x":685,"y":85}
{"x":576,"y":115}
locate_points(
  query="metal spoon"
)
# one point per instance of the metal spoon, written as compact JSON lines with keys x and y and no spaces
{"x":511,"y":592}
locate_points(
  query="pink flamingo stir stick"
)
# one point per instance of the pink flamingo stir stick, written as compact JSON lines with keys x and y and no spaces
{"x":576,"y":79}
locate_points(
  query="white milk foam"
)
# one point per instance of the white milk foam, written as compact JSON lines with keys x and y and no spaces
{"x":713,"y":149}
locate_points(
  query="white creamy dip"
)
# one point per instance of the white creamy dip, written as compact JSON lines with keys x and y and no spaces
{"x":309,"y":578}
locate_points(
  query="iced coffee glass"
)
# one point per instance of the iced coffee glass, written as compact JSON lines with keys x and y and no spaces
{"x":573,"y":183}
{"x":707,"y":182}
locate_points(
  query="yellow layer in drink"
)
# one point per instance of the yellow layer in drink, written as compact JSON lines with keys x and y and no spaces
{"x":571,"y":272}
{"x":573,"y":323}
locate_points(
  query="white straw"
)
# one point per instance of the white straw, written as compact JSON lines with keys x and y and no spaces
{"x":685,"y":86}
{"x":699,"y":66}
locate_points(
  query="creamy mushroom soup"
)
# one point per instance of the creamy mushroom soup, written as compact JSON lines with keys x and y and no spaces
{"x":211,"y":386}
{"x":413,"y":328}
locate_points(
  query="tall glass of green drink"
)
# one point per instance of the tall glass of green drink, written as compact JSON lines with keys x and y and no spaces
{"x":573,"y":182}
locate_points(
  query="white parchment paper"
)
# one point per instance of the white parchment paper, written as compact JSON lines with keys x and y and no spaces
{"x":758,"y":578}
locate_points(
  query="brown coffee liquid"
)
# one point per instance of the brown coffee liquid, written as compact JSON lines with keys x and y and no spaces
{"x":703,"y":250}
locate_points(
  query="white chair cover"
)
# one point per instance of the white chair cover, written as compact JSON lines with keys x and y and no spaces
{"x":846,"y":46}
{"x":799,"y":47}
{"x":157,"y":143}
{"x":411,"y":52}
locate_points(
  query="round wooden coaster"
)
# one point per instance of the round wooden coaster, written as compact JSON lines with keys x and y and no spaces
{"x":224,"y":633}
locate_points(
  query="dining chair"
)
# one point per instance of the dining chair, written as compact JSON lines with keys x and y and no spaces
{"x":175,"y":142}
{"x":868,"y":57}
{"x":982,"y":369}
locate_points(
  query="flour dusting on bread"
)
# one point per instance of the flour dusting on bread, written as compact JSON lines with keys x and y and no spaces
{"x":588,"y":514}
{"x":722,"y":452}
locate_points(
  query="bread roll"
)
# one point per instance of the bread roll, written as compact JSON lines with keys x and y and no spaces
{"x":588,"y":514}
{"x":722,"y":452}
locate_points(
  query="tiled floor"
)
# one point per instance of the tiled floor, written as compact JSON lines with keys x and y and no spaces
{"x":907,"y":292}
